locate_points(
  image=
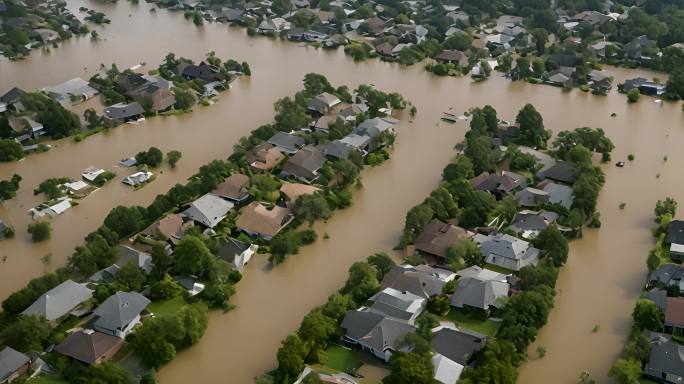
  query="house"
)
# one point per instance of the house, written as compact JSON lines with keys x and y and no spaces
{"x":644,"y":86}
{"x":528,"y":224}
{"x":236,"y":252}
{"x":452,"y":56}
{"x":666,"y":360}
{"x":59,"y":301}
{"x":564,"y":60}
{"x":667,"y":275}
{"x":557,"y":193}
{"x":263,"y":157}
{"x":657,"y":297}
{"x":562,"y":171}
{"x":12,"y":364}
{"x":12,"y":96}
{"x":559,"y":77}
{"x":483,"y":294}
{"x":208,"y":210}
{"x":291,"y":191}
{"x":26,"y":127}
{"x":190,"y":284}
{"x":640,"y":48}
{"x":507,"y":251}
{"x":90,"y":347}
{"x":446,"y":370}
{"x":458,"y":345}
{"x":234,"y":188}
{"x":498,"y":184}
{"x":169,"y":228}
{"x":326,"y":378}
{"x":337,"y":149}
{"x":258,"y":220}
{"x":374,"y":332}
{"x":160,"y":99}
{"x":128,"y":81}
{"x":374,"y":127}
{"x":138,"y":178}
{"x":71,"y":91}
{"x":125,"y":112}
{"x":287,"y":143}
{"x":105,"y":275}
{"x":204,"y":72}
{"x":677,"y":252}
{"x":56,"y":209}
{"x":421,"y":280}
{"x":675,"y":232}
{"x":437,"y":237}
{"x":119,"y":314}
{"x":674,"y":315}
{"x":126,"y":255}
{"x":477,"y":272}
{"x":91,"y":173}
{"x":599,"y":48}
{"x":322,"y":103}
{"x":305,"y":164}
{"x":323,"y":123}
{"x":396,"y":304}
{"x":532,"y":197}
{"x":362,"y":143}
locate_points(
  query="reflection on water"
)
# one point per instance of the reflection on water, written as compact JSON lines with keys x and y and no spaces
{"x":598,"y":286}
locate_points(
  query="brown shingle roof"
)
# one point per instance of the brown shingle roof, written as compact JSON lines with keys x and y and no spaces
{"x":293,"y":190}
{"x":234,"y":187}
{"x":166,"y":227}
{"x":263,"y":157}
{"x":89,"y":347}
{"x":438,"y":236}
{"x":674,"y":314}
{"x":256,"y":218}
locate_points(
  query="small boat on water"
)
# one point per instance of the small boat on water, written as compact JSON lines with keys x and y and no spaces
{"x":620,"y":164}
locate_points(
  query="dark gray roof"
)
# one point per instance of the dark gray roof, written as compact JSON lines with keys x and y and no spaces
{"x":563,"y":171}
{"x":88,"y":346}
{"x":666,"y":274}
{"x":124,"y":111}
{"x":119,"y":310}
{"x":305,"y":163}
{"x":230,"y":248}
{"x":338,"y":149}
{"x":127,"y":255}
{"x":12,"y":96}
{"x":387,"y":333}
{"x":564,"y":60}
{"x":675,"y":232}
{"x":666,"y":361}
{"x":658,"y":297}
{"x":528,"y":222}
{"x":360,"y":323}
{"x":287,"y":142}
{"x":458,"y":345}
{"x":373,"y":127}
{"x":411,"y":280}
{"x":478,"y":293}
{"x":10,"y":361}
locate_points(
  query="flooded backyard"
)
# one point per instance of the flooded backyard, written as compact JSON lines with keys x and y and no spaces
{"x":597,"y":287}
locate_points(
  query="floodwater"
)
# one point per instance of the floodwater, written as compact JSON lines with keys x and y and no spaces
{"x":598,"y":286}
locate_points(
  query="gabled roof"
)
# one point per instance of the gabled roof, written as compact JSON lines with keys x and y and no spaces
{"x":305,"y":163}
{"x":233,"y":188}
{"x":675,"y":232}
{"x":208,"y":210}
{"x":140,"y":259}
{"x":447,"y":371}
{"x":256,"y":218}
{"x":292,"y":191}
{"x":437,"y":237}
{"x":122,"y":111}
{"x":459,"y":345}
{"x":373,"y":127}
{"x":529,"y":221}
{"x":12,"y":96}
{"x":658,"y":297}
{"x":359,"y":323}
{"x":10,"y":361}
{"x":558,"y":193}
{"x":666,"y":273}
{"x":322,"y":102}
{"x":263,"y":157}
{"x":666,"y":359}
{"x":59,"y":301}
{"x":230,"y":248}
{"x":420,"y":282}
{"x":479,"y":273}
{"x":166,"y":227}
{"x":477,"y":293}
{"x":505,"y":246}
{"x":397,"y":304}
{"x":88,"y":346}
{"x":563,"y":171}
{"x":387,"y":333}
{"x":286,"y":142}
{"x":119,"y":310}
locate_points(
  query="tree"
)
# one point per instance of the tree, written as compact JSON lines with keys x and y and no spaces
{"x":290,"y":115}
{"x":416,"y":219}
{"x":281,"y":7}
{"x":27,"y":333}
{"x":675,"y":83}
{"x":153,"y":157}
{"x":346,"y":172}
{"x":362,"y":282}
{"x":316,"y":328}
{"x":554,"y":244}
{"x":57,"y":120}
{"x":246,"y":70}
{"x":531,"y":127}
{"x":291,"y":358}
{"x":125,"y":220}
{"x":9,"y":188}
{"x":185,"y":98}
{"x":458,"y":41}
{"x":172,"y":158}
{"x":647,"y":315}
{"x":10,"y":150}
{"x":594,"y":140}
{"x":626,"y":371}
{"x":104,"y":373}
{"x":413,"y":367}
{"x":129,"y":278}
{"x":479,"y":151}
{"x":312,"y":208}
{"x":192,"y":256}
{"x":518,"y":161}
{"x":461,"y":168}
{"x":633,"y":95}
{"x":166,"y":288}
{"x":285,"y":244}
{"x":465,"y":251}
{"x":40,"y":231}
{"x":382,"y":263}
{"x":149,"y":378}
{"x":161,"y":260}
{"x":667,"y":206}
{"x":496,"y":365}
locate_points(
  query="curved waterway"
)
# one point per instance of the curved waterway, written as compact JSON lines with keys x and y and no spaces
{"x":597,"y":287}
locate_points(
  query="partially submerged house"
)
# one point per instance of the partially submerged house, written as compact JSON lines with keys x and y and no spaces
{"x":258,"y":220}
{"x":507,"y":251}
{"x":322,"y":103}
{"x":138,"y":178}
{"x":123,"y":112}
{"x":120,"y":313}
{"x":208,"y":210}
{"x":59,"y":301}
{"x":90,"y":347}
{"x":437,"y":237}
{"x":236,"y":253}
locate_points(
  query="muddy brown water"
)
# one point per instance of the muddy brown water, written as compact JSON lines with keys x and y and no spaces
{"x":597,"y":287}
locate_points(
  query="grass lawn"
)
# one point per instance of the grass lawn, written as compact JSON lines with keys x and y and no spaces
{"x":48,"y":379}
{"x":167,"y":307}
{"x":496,"y":268}
{"x":486,"y":327}
{"x":342,"y":359}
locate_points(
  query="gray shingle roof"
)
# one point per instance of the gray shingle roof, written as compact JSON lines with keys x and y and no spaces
{"x":457,"y":345}
{"x":286,"y":142}
{"x":208,"y":210}
{"x":360,"y":323}
{"x":119,"y":310}
{"x":10,"y":361}
{"x":477,"y":293}
{"x":59,"y":301}
{"x":373,"y":127}
{"x":666,"y":358}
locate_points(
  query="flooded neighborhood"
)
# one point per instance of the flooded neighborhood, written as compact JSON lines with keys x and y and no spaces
{"x":589,"y":322}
